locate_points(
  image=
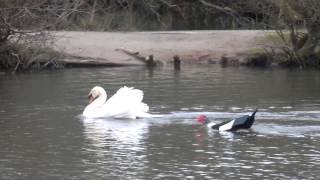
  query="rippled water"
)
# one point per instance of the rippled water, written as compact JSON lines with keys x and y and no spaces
{"x":42,"y":135}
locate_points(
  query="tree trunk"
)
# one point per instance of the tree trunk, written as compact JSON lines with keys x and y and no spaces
{"x":131,"y":15}
{"x":93,"y":11}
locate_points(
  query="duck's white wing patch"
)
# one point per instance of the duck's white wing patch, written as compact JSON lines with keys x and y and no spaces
{"x":227,"y":126}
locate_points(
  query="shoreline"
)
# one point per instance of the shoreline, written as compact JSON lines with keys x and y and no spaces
{"x":88,"y":48}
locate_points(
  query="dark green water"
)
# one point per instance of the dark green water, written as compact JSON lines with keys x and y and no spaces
{"x":42,"y":135}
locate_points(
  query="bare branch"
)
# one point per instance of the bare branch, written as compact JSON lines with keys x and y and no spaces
{"x":225,"y":10}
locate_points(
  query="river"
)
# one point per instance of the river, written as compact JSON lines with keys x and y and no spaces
{"x":43,"y":136}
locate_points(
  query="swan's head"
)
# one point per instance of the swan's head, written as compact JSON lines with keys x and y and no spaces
{"x":96,"y":92}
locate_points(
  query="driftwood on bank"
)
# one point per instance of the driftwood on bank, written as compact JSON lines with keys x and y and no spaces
{"x":148,"y":60}
{"x":77,"y":61}
{"x":176,"y":62}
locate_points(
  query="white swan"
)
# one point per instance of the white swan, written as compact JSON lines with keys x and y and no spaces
{"x":125,"y":103}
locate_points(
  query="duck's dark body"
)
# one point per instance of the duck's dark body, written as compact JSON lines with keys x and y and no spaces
{"x":244,"y":122}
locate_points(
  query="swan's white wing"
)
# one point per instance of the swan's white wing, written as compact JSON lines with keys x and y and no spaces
{"x":126,"y":102}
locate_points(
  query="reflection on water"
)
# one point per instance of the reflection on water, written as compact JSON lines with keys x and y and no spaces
{"x":117,"y":143}
{"x":120,"y":131}
{"x":43,"y":136}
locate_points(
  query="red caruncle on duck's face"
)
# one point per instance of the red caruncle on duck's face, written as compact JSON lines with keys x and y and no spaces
{"x":201,"y":119}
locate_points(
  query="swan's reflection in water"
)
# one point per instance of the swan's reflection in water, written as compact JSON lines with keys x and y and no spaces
{"x":118,"y":145}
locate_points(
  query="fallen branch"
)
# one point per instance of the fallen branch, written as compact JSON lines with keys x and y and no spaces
{"x":148,"y":60}
{"x":134,"y":54}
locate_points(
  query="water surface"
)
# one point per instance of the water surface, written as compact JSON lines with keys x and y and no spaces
{"x":42,"y":135}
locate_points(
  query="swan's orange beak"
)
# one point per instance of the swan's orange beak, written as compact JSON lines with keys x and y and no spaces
{"x":90,"y":98}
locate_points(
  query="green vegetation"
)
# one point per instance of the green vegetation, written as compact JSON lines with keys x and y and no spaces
{"x":301,"y":19}
{"x":19,"y":57}
{"x":24,"y":43}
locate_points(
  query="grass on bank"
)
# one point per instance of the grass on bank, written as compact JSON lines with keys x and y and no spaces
{"x":285,"y":49}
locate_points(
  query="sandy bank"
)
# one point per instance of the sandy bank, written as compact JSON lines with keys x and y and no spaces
{"x":191,"y":46}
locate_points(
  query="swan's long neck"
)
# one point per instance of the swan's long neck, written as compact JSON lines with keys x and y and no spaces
{"x":98,"y":102}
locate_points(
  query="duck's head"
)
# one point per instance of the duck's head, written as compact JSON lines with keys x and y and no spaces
{"x":202,"y":119}
{"x":95,"y":93}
